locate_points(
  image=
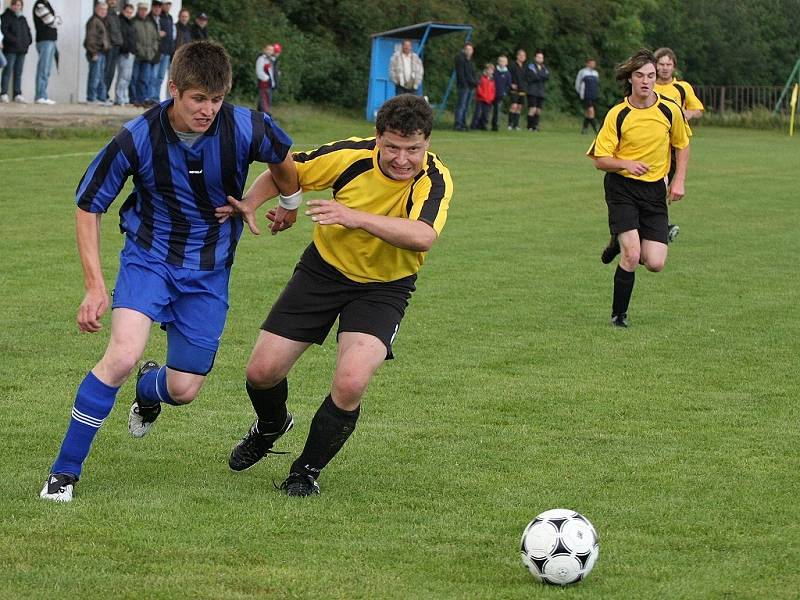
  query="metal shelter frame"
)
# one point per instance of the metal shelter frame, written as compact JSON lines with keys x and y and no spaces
{"x":381,"y":88}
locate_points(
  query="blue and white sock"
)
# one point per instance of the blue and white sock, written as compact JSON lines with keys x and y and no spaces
{"x":93,"y":402}
{"x":152,"y":388}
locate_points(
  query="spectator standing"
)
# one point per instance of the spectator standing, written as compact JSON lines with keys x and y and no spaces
{"x":199,"y":31}
{"x":466,"y":81}
{"x":46,"y":24}
{"x":518,"y":88}
{"x":266,"y":74}
{"x":146,"y":51}
{"x":406,"y":70}
{"x":484,"y":98}
{"x":166,"y":47}
{"x":183,"y":30}
{"x":502,"y":86}
{"x":16,"y":41}
{"x":537,"y":76}
{"x":127,"y":56}
{"x":587,"y":84}
{"x":97,"y":44}
{"x":2,"y":56}
{"x":154,"y":85}
{"x":115,"y":38}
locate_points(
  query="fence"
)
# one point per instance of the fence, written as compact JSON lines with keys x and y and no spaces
{"x":741,"y":98}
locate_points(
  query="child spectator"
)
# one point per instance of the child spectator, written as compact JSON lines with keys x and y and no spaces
{"x":484,"y":98}
{"x":502,"y":85}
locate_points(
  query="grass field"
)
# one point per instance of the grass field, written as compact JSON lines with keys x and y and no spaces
{"x":510,"y":394}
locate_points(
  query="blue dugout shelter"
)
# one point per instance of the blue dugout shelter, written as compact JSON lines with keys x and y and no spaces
{"x":384,"y":44}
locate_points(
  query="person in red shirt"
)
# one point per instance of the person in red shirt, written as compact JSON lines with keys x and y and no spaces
{"x":484,"y":98}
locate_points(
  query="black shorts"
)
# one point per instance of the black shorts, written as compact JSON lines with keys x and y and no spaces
{"x":318,"y":293}
{"x":535,"y":101}
{"x":635,"y":204}
{"x":517,"y":97}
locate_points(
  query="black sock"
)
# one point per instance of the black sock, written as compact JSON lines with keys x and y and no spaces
{"x":585,"y":123}
{"x":623,"y":288}
{"x":536,"y":121}
{"x":531,"y":122}
{"x":330,"y":428}
{"x":594,"y":124}
{"x":270,"y":406}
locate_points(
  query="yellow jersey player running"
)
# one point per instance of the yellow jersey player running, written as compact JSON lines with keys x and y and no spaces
{"x":389,"y":205}
{"x":682,"y":93}
{"x":633,"y":147}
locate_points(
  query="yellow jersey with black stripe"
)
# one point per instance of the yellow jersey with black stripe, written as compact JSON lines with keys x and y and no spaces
{"x":350,"y":168}
{"x":642,"y":134}
{"x":680,"y":92}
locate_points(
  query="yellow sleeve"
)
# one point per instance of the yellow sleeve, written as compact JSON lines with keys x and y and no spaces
{"x":679,"y":132}
{"x":319,"y":169}
{"x":430,"y":199}
{"x":607,"y":140}
{"x":692,"y":101}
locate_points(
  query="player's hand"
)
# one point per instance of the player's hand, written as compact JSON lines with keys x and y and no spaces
{"x":281,"y":218}
{"x":240,"y":207}
{"x":330,"y":212}
{"x":676,"y":191}
{"x":94,"y":305}
{"x":637,"y":168}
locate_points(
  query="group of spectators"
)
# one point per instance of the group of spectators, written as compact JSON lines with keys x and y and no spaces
{"x":130,"y":44}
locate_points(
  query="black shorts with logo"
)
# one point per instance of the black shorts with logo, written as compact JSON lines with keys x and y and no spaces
{"x":635,"y":204}
{"x":318,"y":293}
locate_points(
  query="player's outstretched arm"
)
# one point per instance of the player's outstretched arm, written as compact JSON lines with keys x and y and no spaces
{"x":95,"y":300}
{"x":400,"y":232}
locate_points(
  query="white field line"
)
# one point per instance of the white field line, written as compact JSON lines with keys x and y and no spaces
{"x":46,"y":157}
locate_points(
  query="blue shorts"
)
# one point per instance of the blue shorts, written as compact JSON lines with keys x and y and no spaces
{"x":191,"y":305}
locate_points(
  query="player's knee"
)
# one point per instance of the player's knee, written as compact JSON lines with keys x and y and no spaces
{"x":263,"y":375}
{"x":655,"y":265}
{"x":118,"y":367}
{"x":348,"y":390}
{"x":630,"y":256}
{"x":183,"y":391}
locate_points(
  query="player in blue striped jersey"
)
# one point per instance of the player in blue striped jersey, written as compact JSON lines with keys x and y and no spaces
{"x":186,"y":157}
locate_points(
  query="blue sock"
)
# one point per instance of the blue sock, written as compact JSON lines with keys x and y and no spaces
{"x":93,"y":402}
{"x":152,"y":388}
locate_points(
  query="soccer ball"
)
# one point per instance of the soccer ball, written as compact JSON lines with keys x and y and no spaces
{"x":559,"y":547}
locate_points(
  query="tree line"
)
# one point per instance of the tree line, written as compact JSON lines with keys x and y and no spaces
{"x":326,"y":43}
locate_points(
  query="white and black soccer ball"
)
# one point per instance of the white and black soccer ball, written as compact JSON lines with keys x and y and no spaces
{"x":559,"y":547}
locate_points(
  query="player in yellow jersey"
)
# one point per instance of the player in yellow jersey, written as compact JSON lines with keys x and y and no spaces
{"x":679,"y":91}
{"x":633,"y":147}
{"x":389,"y":205}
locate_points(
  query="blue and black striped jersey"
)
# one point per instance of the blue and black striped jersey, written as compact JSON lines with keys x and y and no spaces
{"x":170,"y":212}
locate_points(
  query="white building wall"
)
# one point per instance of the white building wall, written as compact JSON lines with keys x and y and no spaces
{"x":67,"y":83}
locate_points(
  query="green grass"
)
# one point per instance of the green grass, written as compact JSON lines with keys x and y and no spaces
{"x":510,"y":395}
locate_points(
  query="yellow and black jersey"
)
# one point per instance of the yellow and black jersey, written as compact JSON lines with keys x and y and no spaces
{"x":642,"y":134}
{"x":681,"y":93}
{"x":350,"y":168}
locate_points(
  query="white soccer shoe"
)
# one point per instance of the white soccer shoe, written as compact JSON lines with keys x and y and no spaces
{"x":58,"y":487}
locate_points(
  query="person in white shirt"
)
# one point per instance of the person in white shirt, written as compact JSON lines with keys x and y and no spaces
{"x":406,"y":70}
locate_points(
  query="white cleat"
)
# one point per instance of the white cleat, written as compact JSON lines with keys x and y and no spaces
{"x":58,"y":487}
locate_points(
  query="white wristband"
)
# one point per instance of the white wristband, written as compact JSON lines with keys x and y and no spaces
{"x":291,"y":202}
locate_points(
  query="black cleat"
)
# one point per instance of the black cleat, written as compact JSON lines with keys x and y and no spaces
{"x":610,"y":251}
{"x":142,"y":416}
{"x":620,"y":320}
{"x":255,"y":445}
{"x":674,"y":230}
{"x":300,"y":485}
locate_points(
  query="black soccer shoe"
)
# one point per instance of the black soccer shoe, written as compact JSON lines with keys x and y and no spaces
{"x":255,"y":445}
{"x":300,"y":485}
{"x":620,"y":320}
{"x":610,"y":251}
{"x":142,"y":416}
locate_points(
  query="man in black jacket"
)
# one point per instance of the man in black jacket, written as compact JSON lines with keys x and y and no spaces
{"x":183,"y":30}
{"x":16,"y":41}
{"x":127,"y":56}
{"x":114,"y":25}
{"x":199,"y":29}
{"x":537,"y":76}
{"x":466,"y":81}
{"x":166,"y":47}
{"x":46,"y":24}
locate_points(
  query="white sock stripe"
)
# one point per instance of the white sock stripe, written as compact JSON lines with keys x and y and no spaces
{"x":157,"y":392}
{"x":86,"y":419}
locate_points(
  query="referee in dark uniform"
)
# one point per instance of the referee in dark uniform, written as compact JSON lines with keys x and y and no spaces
{"x":390,"y":202}
{"x":518,"y":89}
{"x":633,"y":147}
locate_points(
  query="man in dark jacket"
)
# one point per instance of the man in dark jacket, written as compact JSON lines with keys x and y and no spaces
{"x":166,"y":47}
{"x":97,"y":44}
{"x":183,"y":30}
{"x":466,"y":81}
{"x":146,"y":53}
{"x":127,"y":56}
{"x":46,"y":24}
{"x":115,"y":38}
{"x":199,"y":31}
{"x":16,"y":41}
{"x":518,"y":89}
{"x":537,"y":76}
